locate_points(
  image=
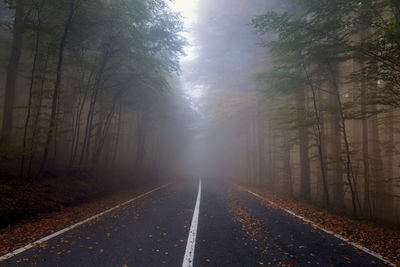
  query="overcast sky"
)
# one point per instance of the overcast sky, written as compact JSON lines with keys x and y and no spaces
{"x":188,"y":10}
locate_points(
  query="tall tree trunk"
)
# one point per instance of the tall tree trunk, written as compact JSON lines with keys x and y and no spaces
{"x":380,"y":184}
{"x":105,"y":129}
{"x":365,"y":142}
{"x":342,"y":126}
{"x":36,"y":122}
{"x":261,"y":150}
{"x":288,"y":167}
{"x":89,"y":120}
{"x":51,"y":129}
{"x":305,"y":192}
{"x":140,"y":144}
{"x":270,"y":161}
{"x":98,"y":127}
{"x":114,"y":157}
{"x":77,"y":125}
{"x":389,"y":159}
{"x":336,"y":148}
{"x":12,"y":70}
{"x":254,"y":139}
{"x":33,"y":73}
{"x":318,"y":137}
{"x":248,"y":156}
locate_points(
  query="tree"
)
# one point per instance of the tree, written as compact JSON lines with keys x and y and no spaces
{"x":12,"y":71}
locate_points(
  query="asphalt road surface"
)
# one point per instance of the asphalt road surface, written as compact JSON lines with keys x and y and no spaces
{"x":232,"y":229}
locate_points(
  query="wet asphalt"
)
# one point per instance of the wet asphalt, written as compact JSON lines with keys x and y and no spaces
{"x":234,"y":229}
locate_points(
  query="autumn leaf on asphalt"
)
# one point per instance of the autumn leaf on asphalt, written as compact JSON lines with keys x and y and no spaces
{"x":377,"y":239}
{"x":45,"y":224}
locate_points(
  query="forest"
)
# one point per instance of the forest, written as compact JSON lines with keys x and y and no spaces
{"x":300,"y":97}
{"x":89,"y":91}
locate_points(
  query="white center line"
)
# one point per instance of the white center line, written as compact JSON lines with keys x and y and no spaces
{"x":191,"y":243}
{"x":44,"y":239}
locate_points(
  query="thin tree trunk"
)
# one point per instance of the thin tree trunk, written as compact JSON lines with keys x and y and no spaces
{"x":390,"y":153}
{"x":104,"y":132}
{"x":255,"y":153}
{"x":336,"y":147}
{"x":33,"y":73}
{"x":271,"y":165}
{"x":50,"y":131}
{"x":288,"y":166}
{"x":318,"y":137}
{"x":37,"y":116}
{"x":261,"y":150}
{"x":114,"y":157}
{"x":89,"y":128}
{"x":349,"y":171}
{"x":365,"y":142}
{"x":377,"y":168}
{"x":305,"y":192}
{"x":140,"y":149}
{"x":248,"y":156}
{"x":101,"y":120}
{"x":89,"y":119}
{"x":76,"y":138}
{"x":12,"y":71}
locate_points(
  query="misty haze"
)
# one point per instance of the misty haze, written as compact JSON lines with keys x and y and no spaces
{"x":199,"y":133}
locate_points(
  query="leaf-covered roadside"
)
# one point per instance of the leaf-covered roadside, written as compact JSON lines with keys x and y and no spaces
{"x":41,"y":225}
{"x":382,"y":241}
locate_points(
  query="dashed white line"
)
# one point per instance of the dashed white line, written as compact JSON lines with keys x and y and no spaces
{"x":360,"y":247}
{"x":191,"y":243}
{"x":44,"y":239}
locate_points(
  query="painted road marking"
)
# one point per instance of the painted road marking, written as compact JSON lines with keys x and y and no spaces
{"x":44,"y":239}
{"x":191,"y":243}
{"x":366,"y":250}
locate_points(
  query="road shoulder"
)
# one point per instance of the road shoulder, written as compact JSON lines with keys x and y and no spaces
{"x":378,"y":240}
{"x":30,"y":230}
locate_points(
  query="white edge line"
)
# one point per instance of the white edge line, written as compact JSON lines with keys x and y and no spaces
{"x":44,"y":239}
{"x":360,"y":247}
{"x":191,"y":243}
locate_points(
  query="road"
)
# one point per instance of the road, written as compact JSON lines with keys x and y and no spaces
{"x":233,"y":229}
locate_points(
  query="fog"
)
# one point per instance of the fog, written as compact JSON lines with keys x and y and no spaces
{"x":284,"y":103}
{"x":297,"y":97}
{"x":217,"y":78}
